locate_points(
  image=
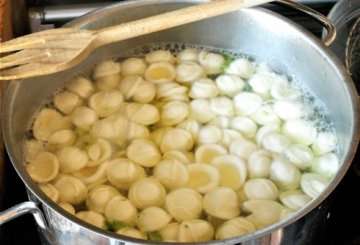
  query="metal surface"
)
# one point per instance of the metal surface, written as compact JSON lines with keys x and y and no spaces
{"x":352,"y":53}
{"x":256,"y":32}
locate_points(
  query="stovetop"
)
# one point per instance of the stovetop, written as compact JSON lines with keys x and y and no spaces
{"x":336,"y":221}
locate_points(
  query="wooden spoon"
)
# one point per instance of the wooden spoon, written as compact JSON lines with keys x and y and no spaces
{"x":55,"y":50}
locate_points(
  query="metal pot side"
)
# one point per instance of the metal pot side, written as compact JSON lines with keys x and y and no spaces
{"x":256,"y":32}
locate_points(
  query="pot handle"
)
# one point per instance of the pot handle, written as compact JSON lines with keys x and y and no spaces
{"x":24,"y":208}
{"x":330,"y":28}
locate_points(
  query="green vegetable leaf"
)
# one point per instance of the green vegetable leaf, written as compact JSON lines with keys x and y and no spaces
{"x":228,"y":60}
{"x":154,"y":236}
{"x":115,"y":225}
{"x":248,"y":88}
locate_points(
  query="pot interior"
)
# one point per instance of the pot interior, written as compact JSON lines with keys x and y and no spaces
{"x":256,"y":32}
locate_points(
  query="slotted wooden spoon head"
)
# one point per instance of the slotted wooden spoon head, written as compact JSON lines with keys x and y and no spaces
{"x":45,"y":52}
{"x":59,"y":49}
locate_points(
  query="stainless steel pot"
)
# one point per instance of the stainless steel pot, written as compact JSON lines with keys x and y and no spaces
{"x":257,"y":32}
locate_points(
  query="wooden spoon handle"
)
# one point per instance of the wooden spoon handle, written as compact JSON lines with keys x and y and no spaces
{"x":171,"y":19}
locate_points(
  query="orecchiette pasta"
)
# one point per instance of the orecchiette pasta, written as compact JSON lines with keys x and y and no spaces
{"x":219,"y":145}
{"x":99,"y":197}
{"x":147,"y":192}
{"x":182,"y":208}
{"x":43,"y":168}
{"x":222,"y":203}
{"x":122,"y":173}
{"x":133,"y":67}
{"x":66,"y":102}
{"x":160,"y":72}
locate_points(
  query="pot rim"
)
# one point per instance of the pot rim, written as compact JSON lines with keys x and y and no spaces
{"x":335,"y":63}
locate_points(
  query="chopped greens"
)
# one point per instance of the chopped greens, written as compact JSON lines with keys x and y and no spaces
{"x":154,"y":236}
{"x":228,"y":60}
{"x":114,"y":225}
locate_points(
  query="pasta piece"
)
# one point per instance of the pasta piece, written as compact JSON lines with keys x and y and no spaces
{"x":137,"y":131}
{"x":232,"y":169}
{"x":203,"y":177}
{"x":246,"y":103}
{"x":222,"y":203}
{"x":122,"y":173}
{"x":100,"y":151}
{"x":112,"y":128}
{"x":209,"y":135}
{"x":327,"y":165}
{"x":222,"y":106}
{"x":43,"y":168}
{"x":258,"y":164}
{"x":92,"y":175}
{"x":263,"y":218}
{"x":50,"y":191}
{"x":195,"y":230}
{"x":285,"y":174}
{"x":107,"y":74}
{"x":84,"y":117}
{"x":170,"y":232}
{"x":47,"y":122}
{"x":32,"y":148}
{"x":275,"y":142}
{"x":118,"y":208}
{"x":230,"y":85}
{"x":221,"y":122}
{"x":190,"y":125}
{"x":71,"y":189}
{"x":147,"y":192}
{"x":325,"y":142}
{"x":171,"y":91}
{"x":60,"y":139}
{"x":92,"y":217}
{"x":313,"y":184}
{"x":215,"y":222}
{"x":299,"y":155}
{"x":265,"y":115}
{"x":229,"y":136}
{"x":82,"y":87}
{"x":201,"y":111}
{"x":253,"y":206}
{"x":132,"y":232}
{"x":245,"y":126}
{"x":288,"y":110}
{"x":241,"y":67}
{"x":176,"y":139}
{"x":99,"y":197}
{"x":180,"y":156}
{"x":299,"y":131}
{"x":144,"y":152}
{"x":137,"y":89}
{"x":243,"y":148}
{"x":160,"y":72}
{"x":283,"y":90}
{"x":294,"y":199}
{"x":67,"y":207}
{"x":158,"y":134}
{"x":133,"y":67}
{"x":188,"y":55}
{"x":207,"y":152}
{"x":261,"y":189}
{"x":67,"y":102}
{"x":189,"y":72}
{"x":184,"y":204}
{"x":160,"y":56}
{"x":235,"y":227}
{"x":144,"y":114}
{"x":72,"y":159}
{"x":171,"y":174}
{"x":173,"y":113}
{"x":203,"y":88}
{"x":105,"y":103}
{"x":261,"y":84}
{"x":152,"y":219}
{"x":211,"y":62}
{"x":265,"y":130}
